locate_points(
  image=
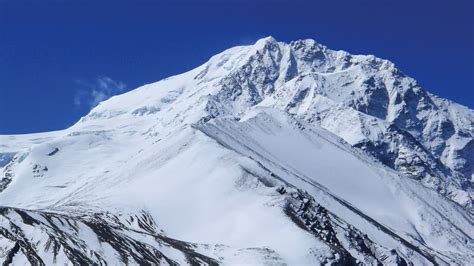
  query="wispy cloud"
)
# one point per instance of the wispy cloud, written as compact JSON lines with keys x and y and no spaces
{"x":100,"y":89}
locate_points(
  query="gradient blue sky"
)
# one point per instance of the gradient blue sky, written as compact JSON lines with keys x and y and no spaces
{"x":57,"y":58}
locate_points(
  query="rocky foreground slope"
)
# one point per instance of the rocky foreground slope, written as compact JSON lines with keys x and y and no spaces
{"x":271,"y":153}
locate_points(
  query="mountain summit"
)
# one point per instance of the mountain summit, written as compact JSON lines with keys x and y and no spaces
{"x":272,"y":153}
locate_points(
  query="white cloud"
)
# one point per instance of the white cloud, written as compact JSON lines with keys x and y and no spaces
{"x":98,"y":90}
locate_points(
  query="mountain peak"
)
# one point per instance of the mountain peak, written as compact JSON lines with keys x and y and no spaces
{"x":337,"y":156}
{"x":265,"y":40}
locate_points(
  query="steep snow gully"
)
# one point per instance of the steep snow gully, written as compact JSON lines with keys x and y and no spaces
{"x":268,"y":154}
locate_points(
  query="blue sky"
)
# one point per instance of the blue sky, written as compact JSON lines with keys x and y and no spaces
{"x":58,"y":58}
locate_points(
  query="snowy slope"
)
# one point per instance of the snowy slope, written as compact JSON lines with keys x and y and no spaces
{"x":271,"y":153}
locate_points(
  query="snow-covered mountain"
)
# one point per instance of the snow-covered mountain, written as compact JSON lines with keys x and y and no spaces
{"x":271,"y":153}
